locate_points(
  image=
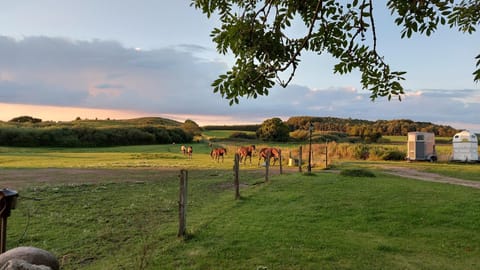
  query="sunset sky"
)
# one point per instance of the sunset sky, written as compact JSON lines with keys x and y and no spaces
{"x":122,"y":59}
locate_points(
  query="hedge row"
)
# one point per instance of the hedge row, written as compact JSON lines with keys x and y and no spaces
{"x":91,"y":137}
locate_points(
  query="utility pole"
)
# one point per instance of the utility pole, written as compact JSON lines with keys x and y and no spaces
{"x":310,"y":129}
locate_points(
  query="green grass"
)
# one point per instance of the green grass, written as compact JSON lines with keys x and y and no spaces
{"x":324,"y":221}
{"x":467,"y":171}
{"x":149,"y":156}
{"x":127,"y":218}
{"x":223,"y":134}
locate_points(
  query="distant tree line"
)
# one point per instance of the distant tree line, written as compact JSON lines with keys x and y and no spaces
{"x":27,"y":131}
{"x":252,"y":128}
{"x":362,"y":128}
{"x":91,"y":137}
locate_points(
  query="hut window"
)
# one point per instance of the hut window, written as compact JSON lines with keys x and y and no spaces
{"x":419,"y":137}
{"x":456,"y":136}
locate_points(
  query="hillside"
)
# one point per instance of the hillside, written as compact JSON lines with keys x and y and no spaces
{"x":30,"y":132}
{"x":353,"y":127}
{"x":96,"y":123}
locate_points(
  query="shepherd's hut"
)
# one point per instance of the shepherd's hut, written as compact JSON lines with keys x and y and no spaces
{"x":465,"y":146}
{"x":421,"y":146}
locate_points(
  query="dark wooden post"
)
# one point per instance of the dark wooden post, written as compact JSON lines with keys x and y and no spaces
{"x":326,"y":154}
{"x":182,"y":204}
{"x":236,"y":166}
{"x":300,"y":159}
{"x":267,"y":165}
{"x":3,"y":234}
{"x":280,"y":160}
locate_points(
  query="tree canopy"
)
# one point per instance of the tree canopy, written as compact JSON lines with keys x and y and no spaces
{"x":273,"y":129}
{"x":258,"y":33}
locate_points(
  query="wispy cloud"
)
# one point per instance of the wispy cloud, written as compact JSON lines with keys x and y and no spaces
{"x":176,"y":81}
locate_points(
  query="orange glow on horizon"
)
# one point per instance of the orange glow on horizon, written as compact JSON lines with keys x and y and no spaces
{"x":56,"y":113}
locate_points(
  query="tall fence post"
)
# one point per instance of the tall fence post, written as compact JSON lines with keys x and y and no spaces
{"x":326,"y":154}
{"x":236,"y":166}
{"x":300,"y":159}
{"x":267,"y":166}
{"x":182,"y":204}
{"x":280,"y":160}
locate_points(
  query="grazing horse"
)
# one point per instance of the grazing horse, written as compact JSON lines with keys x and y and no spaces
{"x":189,"y":152}
{"x":269,"y":152}
{"x":246,"y":151}
{"x":217,"y":153}
{"x":183,"y":149}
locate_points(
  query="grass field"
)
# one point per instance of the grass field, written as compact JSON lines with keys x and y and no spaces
{"x":116,"y":208}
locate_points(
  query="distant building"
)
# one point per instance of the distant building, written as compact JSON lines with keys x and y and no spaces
{"x":421,"y":146}
{"x":465,"y":146}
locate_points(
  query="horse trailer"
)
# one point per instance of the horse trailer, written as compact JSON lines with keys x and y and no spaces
{"x":421,"y":146}
{"x":465,"y":147}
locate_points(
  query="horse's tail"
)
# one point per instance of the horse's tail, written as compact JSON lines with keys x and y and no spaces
{"x":211,"y":153}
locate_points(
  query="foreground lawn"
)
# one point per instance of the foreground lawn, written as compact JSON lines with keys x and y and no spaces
{"x":324,"y":221}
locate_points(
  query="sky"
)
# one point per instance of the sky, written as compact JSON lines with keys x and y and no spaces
{"x":122,"y":59}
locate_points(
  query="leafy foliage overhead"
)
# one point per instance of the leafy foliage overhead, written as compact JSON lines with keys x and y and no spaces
{"x":260,"y":36}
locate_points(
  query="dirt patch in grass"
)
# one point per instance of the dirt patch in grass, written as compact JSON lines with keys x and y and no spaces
{"x":18,"y":178}
{"x":431,"y":177}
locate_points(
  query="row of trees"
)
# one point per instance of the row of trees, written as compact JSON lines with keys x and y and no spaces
{"x":91,"y":137}
{"x":356,"y":127}
{"x":335,"y":129}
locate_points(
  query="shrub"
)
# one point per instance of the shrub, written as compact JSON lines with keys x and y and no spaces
{"x":242,"y":135}
{"x":395,"y":155}
{"x":357,"y":173}
{"x":361,"y":151}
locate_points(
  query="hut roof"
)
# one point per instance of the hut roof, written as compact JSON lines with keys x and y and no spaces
{"x":465,"y":136}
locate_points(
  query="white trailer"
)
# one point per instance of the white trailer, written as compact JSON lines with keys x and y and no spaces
{"x":421,"y":146}
{"x":465,"y":147}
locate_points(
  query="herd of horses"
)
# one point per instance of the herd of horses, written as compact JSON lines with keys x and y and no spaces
{"x":245,"y":152}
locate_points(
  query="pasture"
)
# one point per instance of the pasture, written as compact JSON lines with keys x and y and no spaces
{"x":116,"y":208}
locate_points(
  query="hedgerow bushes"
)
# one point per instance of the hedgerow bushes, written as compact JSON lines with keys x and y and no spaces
{"x":91,"y":137}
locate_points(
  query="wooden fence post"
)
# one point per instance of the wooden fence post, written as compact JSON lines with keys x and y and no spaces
{"x":300,"y":159}
{"x":236,"y":166}
{"x":267,"y":165}
{"x":280,"y":160}
{"x":326,"y":154}
{"x":182,"y":204}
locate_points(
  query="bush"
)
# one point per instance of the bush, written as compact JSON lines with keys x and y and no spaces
{"x":357,"y":173}
{"x":273,"y":129}
{"x":361,"y":151}
{"x":395,"y":155}
{"x":242,"y":135}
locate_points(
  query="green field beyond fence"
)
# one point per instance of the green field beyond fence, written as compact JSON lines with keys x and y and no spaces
{"x":117,"y":208}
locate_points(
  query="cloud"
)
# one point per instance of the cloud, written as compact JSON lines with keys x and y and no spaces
{"x":101,"y":74}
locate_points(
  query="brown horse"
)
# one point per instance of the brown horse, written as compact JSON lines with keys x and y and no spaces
{"x":217,"y":153}
{"x":269,"y":152}
{"x":246,"y":151}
